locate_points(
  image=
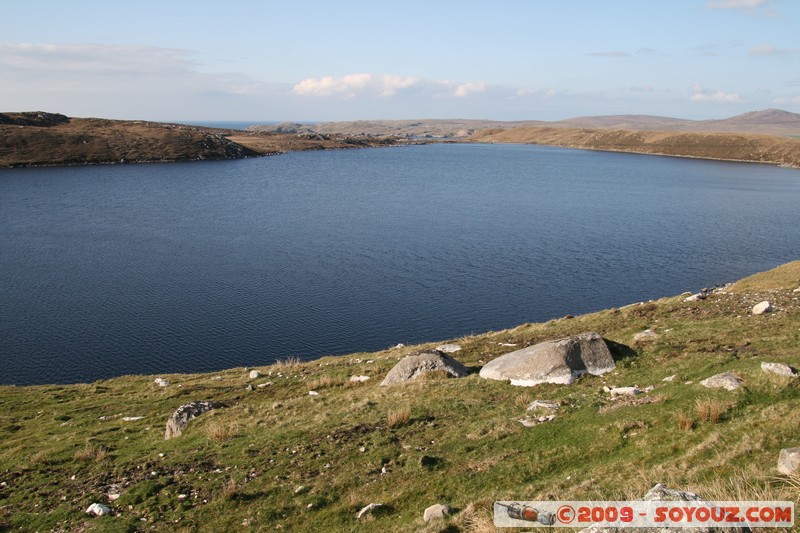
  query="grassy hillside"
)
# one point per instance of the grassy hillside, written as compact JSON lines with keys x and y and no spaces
{"x":725,"y":146}
{"x":278,"y":457}
{"x":47,"y":139}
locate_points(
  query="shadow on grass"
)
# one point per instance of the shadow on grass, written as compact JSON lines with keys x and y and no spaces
{"x":620,"y":352}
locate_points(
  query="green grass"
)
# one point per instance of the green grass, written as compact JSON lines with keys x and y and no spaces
{"x":240,"y":467}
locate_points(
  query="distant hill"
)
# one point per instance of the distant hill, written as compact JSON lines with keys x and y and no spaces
{"x":768,"y":121}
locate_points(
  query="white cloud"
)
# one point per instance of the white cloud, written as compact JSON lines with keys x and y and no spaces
{"x":736,"y":4}
{"x":465,"y":89}
{"x":701,"y":94}
{"x":383,"y":85}
{"x":96,"y":59}
{"x":353,"y":84}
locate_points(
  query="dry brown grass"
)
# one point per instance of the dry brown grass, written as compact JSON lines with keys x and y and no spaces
{"x":323,"y":382}
{"x":398,"y":418}
{"x":91,"y":453}
{"x":711,"y":410}
{"x":220,"y":431}
{"x":477,"y":517}
{"x":685,"y":422}
{"x":288,"y":362}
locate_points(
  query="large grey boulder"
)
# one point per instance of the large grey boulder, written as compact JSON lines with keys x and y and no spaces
{"x":177,"y":422}
{"x":556,"y":361}
{"x":413,"y":366}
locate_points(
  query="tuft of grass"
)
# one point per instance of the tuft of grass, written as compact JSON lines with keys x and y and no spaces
{"x":323,"y":382}
{"x":685,"y":421}
{"x":288,"y":362}
{"x":711,"y":410}
{"x":231,"y":489}
{"x":220,"y":431}
{"x":398,"y":418}
{"x":91,"y":453}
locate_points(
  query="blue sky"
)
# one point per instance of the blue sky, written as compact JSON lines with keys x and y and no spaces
{"x":347,"y":60}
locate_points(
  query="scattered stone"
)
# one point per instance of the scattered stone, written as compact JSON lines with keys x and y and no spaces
{"x":647,"y":335}
{"x":436,"y":511}
{"x":255,"y":374}
{"x":313,"y":393}
{"x":505,"y":344}
{"x":413,"y":366}
{"x":161,"y":382}
{"x":262,"y":385}
{"x":622,"y":391}
{"x":762,"y":308}
{"x":358,"y":379}
{"x":542,"y":404}
{"x":177,"y":422}
{"x":789,"y":461}
{"x":399,"y":345}
{"x":131,"y":418}
{"x":249,"y":387}
{"x":671,"y":378}
{"x":301,"y":489}
{"x":796,"y":290}
{"x":530,"y":422}
{"x":98,"y":509}
{"x":695,"y":297}
{"x":557,"y":361}
{"x":362,"y":449}
{"x":369,"y":509}
{"x":779,"y":369}
{"x":726,"y":380}
{"x":182,"y":497}
{"x":113,"y":492}
{"x":449,"y":348}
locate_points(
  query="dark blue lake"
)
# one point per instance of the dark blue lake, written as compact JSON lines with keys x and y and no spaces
{"x":190,"y":267}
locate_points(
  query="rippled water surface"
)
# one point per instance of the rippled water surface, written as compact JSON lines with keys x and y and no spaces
{"x":191,"y":267}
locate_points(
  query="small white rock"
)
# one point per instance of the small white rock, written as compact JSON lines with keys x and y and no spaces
{"x":542,"y":404}
{"x":368,"y":509}
{"x":622,"y":391}
{"x":182,"y":497}
{"x":449,"y":348}
{"x":161,"y":382}
{"x":313,"y":393}
{"x":670,"y":378}
{"x":358,"y":379}
{"x":255,"y":374}
{"x":131,"y":418}
{"x":98,"y":509}
{"x":762,"y":307}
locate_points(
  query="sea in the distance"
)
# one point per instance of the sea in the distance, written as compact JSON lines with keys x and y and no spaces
{"x":191,"y":267}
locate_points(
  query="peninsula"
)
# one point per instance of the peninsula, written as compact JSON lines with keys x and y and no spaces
{"x":51,"y":139}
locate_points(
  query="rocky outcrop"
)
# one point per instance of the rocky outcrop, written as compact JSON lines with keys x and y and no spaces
{"x":413,"y":366}
{"x":177,"y":422}
{"x":726,"y":380}
{"x":556,"y":361}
